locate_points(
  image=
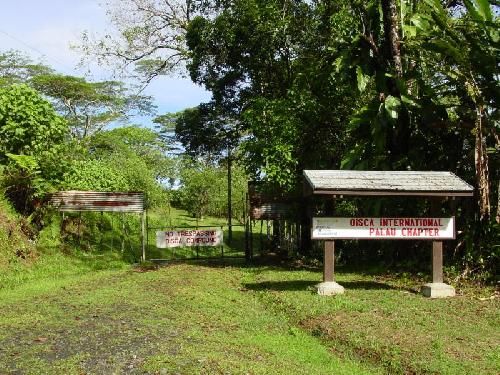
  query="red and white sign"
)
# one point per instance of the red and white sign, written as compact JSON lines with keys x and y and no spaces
{"x":381,"y":228}
{"x":195,"y":237}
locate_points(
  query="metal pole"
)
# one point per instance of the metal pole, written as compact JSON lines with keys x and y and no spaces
{"x":222,"y":244}
{"x":147,"y":228}
{"x":246,"y":220}
{"x":250,"y":229}
{"x":79,"y":224}
{"x":143,"y":220}
{"x":101,"y":246}
{"x":112,"y":228}
{"x":229,"y":193}
{"x":123,"y":232}
{"x":261,"y":238}
{"x":61,"y":229}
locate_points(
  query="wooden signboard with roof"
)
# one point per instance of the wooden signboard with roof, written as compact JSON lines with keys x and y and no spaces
{"x":426,"y":184}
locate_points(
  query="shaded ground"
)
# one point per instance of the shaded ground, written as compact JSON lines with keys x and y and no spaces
{"x":383,"y":321}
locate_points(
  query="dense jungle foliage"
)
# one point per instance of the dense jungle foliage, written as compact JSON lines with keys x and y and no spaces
{"x":375,"y":85}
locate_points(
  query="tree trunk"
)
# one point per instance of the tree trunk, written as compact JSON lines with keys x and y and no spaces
{"x":391,"y":32}
{"x":481,"y":164}
{"x":498,"y":204}
{"x":398,"y":138}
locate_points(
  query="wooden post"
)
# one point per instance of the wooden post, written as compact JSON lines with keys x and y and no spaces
{"x":437,"y":289}
{"x":437,"y":247}
{"x":329,"y":261}
{"x":329,"y":287}
{"x":437,"y":261}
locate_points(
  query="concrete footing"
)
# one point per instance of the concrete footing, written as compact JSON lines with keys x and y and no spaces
{"x":437,"y":290}
{"x":329,"y":288}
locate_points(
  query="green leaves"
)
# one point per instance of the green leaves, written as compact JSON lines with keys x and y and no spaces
{"x":89,"y":106}
{"x":392,"y":106}
{"x":31,"y":144}
{"x":97,"y":175}
{"x":362,"y":79}
{"x":123,"y":159}
{"x":203,"y":189}
{"x":28,"y":124}
{"x":480,"y":10}
{"x":26,"y":162}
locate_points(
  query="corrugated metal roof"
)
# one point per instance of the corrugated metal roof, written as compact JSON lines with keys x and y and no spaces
{"x":418,"y":183}
{"x":98,"y":201}
{"x":270,"y":211}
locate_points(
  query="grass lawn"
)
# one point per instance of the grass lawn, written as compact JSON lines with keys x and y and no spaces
{"x":213,"y":317}
{"x":93,"y":313}
{"x":185,"y":318}
{"x":384,"y":321}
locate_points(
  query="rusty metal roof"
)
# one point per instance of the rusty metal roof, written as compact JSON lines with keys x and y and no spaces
{"x":387,"y":183}
{"x":98,"y":201}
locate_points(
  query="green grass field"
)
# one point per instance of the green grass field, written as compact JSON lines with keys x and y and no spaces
{"x":94,"y":313}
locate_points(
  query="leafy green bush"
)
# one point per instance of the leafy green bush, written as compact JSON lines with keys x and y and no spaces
{"x":97,"y":175}
{"x":16,"y":247}
{"x":29,"y":124}
{"x":123,"y":159}
{"x":31,"y":146}
{"x":204,"y":189}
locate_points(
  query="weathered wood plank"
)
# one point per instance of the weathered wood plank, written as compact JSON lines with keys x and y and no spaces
{"x":424,"y":183}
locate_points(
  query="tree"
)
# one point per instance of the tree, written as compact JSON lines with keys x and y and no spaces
{"x":270,"y":64}
{"x":203,"y":190}
{"x":17,"y":68}
{"x":29,"y":125}
{"x":128,"y":159}
{"x":142,"y":142}
{"x":149,"y":36}
{"x":90,"y":106}
{"x":31,"y":144}
{"x":206,"y":132}
{"x":469,"y":45}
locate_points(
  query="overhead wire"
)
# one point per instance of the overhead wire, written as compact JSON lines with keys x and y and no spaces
{"x":43,"y":54}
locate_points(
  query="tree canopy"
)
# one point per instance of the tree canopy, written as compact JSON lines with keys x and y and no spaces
{"x":90,"y":106}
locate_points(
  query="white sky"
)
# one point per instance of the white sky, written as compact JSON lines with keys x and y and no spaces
{"x":45,"y":29}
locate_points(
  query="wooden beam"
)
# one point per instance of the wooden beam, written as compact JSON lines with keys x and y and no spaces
{"x":437,"y":261}
{"x":437,"y":246}
{"x":391,"y":193}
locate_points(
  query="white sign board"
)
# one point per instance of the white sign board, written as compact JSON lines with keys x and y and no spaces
{"x":195,"y":237}
{"x":381,"y":228}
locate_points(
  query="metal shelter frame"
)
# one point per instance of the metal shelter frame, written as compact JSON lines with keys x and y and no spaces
{"x":98,"y":201}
